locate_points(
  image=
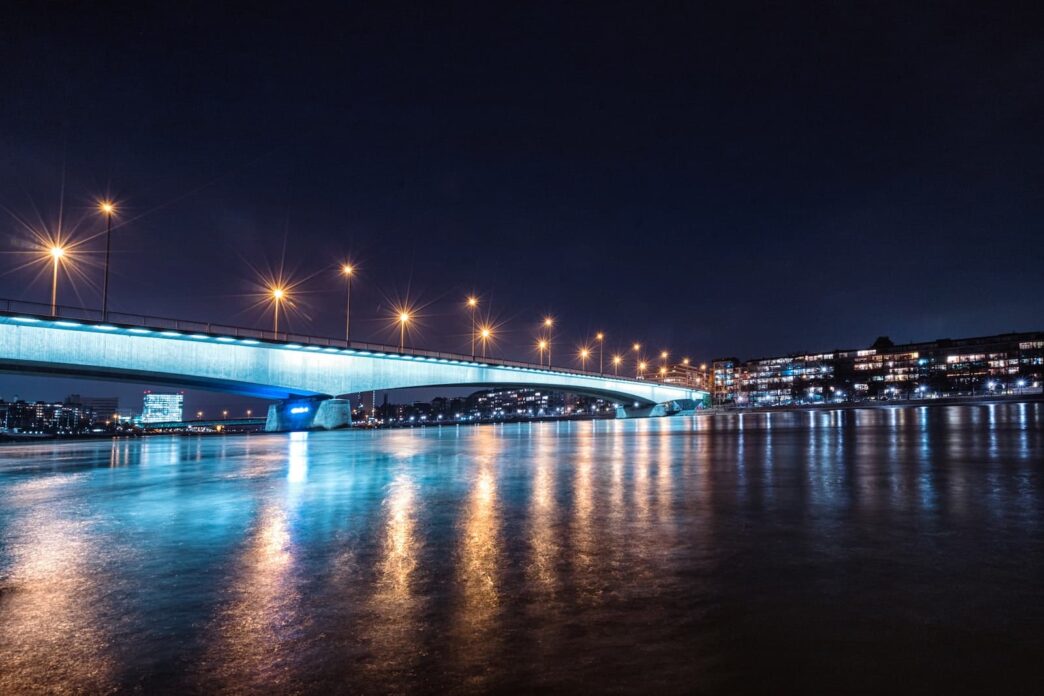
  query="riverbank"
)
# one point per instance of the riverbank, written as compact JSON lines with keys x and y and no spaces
{"x":893,"y":403}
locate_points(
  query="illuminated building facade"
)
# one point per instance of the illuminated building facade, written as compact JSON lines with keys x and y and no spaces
{"x":1003,"y":364}
{"x":162,"y":408}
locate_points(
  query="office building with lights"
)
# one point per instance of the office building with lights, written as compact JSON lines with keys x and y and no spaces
{"x":162,"y":408}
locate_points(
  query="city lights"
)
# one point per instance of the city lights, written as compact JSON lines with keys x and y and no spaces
{"x":584,"y":353}
{"x":617,"y":359}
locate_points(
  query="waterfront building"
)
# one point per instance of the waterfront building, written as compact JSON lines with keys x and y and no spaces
{"x":1006,"y":363}
{"x":162,"y":408}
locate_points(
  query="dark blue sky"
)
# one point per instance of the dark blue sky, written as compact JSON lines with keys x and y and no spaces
{"x":750,"y":180}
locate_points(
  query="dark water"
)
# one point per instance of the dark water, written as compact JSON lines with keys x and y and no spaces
{"x":885,"y":550}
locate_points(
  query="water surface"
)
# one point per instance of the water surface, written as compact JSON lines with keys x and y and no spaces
{"x":896,"y":549}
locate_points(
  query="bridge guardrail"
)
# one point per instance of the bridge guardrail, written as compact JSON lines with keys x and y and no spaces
{"x":145,"y":321}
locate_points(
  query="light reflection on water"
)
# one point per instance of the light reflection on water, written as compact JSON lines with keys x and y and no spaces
{"x":738,"y":552}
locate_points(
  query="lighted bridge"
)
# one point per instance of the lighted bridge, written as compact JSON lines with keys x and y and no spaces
{"x":303,"y":373}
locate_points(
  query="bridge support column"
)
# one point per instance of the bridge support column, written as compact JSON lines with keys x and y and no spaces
{"x":681,"y":407}
{"x":333,"y":414}
{"x":308,"y":414}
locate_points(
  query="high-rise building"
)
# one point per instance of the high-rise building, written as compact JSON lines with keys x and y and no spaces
{"x":104,"y":408}
{"x":162,"y":408}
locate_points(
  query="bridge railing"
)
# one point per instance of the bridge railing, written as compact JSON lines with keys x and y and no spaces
{"x":42,"y":311}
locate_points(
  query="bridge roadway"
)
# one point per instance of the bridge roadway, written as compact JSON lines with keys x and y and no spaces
{"x":300,"y":371}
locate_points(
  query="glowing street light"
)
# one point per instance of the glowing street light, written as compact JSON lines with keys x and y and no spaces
{"x":347,"y":270}
{"x":108,"y":209}
{"x":641,"y":368}
{"x":584,"y":354}
{"x":486,"y":333}
{"x":473,"y":305}
{"x":57,"y":254}
{"x":404,"y":318}
{"x":663,"y":357}
{"x":549,"y":323}
{"x":617,"y":359}
{"x":600,"y":337}
{"x":224,"y":414}
{"x":541,"y":347}
{"x":278,"y":295}
{"x":637,"y":347}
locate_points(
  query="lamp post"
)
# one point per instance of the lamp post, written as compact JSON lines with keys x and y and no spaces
{"x":663,"y":358}
{"x":637,"y":359}
{"x":541,"y":347}
{"x":57,"y":254}
{"x":277,"y":297}
{"x":549,"y":323}
{"x":584,"y":354}
{"x":473,"y":306}
{"x":347,"y":269}
{"x":641,"y":368}
{"x":108,"y":209}
{"x":600,"y":337}
{"x":404,"y":318}
{"x":616,"y":365}
{"x":485,"y":334}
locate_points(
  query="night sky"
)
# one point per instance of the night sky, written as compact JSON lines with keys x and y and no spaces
{"x":743,"y":180}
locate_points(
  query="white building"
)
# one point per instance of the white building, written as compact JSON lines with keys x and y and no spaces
{"x":162,"y":408}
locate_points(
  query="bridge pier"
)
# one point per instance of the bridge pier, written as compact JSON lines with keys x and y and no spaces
{"x":679,"y":407}
{"x":309,"y":414}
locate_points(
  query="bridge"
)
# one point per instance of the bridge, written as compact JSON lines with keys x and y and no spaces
{"x":304,"y":374}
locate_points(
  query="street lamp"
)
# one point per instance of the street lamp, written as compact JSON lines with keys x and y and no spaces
{"x":584,"y":354}
{"x":549,"y":323}
{"x":641,"y":368}
{"x":485,"y":334}
{"x":473,"y":305}
{"x":617,"y":359}
{"x":541,"y":347}
{"x":108,"y":209}
{"x":347,"y":270}
{"x":600,"y":337}
{"x":57,"y":254}
{"x":404,"y":318}
{"x":663,"y":357}
{"x":278,"y":294}
{"x":637,"y":358}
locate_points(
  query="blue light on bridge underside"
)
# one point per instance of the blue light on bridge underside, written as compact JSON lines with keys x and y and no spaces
{"x":297,"y":410}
